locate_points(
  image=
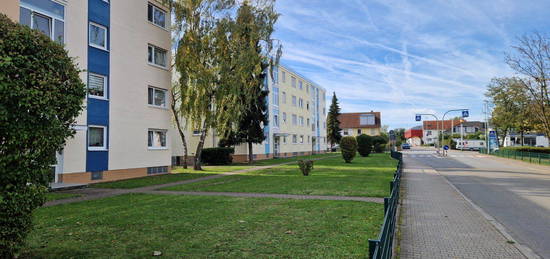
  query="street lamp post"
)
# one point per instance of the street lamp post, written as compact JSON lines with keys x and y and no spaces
{"x":443,"y":121}
{"x":437,"y":126}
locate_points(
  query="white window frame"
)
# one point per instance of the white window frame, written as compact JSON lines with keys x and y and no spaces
{"x":153,"y":56}
{"x":165,"y":97}
{"x":284,"y":117}
{"x":153,"y":21}
{"x":284,"y":97}
{"x":49,"y":15}
{"x":284,"y":76}
{"x":105,"y":33}
{"x":152,"y":143}
{"x":293,"y":81}
{"x":105,"y":84}
{"x":105,"y":134}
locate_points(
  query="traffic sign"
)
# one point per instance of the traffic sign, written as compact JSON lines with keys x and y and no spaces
{"x":418,"y":118}
{"x":446,"y":147}
{"x":465,"y":114}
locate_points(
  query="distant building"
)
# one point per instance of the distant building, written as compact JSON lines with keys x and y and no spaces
{"x":528,"y":139}
{"x":355,"y":124}
{"x":430,"y":129}
{"x":469,"y":127}
{"x":414,"y":136}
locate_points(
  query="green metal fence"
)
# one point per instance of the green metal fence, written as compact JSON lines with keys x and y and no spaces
{"x":531,"y":157}
{"x":382,"y":247}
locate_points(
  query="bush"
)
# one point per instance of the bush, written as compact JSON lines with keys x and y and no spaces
{"x":41,"y":94}
{"x":544,"y":150}
{"x":379,"y":144}
{"x":348,"y":146}
{"x":364,"y":145}
{"x":305,"y":166}
{"x":217,"y":156}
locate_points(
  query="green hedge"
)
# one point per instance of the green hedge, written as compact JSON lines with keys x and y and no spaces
{"x":543,"y":150}
{"x":348,"y":145}
{"x":217,"y":156}
{"x":364,"y":145}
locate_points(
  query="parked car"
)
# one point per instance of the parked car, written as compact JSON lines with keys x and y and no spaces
{"x":470,"y":144}
{"x":405,"y":146}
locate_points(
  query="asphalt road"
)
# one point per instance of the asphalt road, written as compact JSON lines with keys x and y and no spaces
{"x":516,"y":194}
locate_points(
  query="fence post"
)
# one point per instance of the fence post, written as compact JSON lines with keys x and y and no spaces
{"x":386,"y":205}
{"x":372,"y":247}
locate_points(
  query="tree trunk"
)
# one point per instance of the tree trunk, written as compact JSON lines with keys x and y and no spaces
{"x":180,"y":128}
{"x":197,"y":160}
{"x":250,"y":153}
{"x":522,"y":140}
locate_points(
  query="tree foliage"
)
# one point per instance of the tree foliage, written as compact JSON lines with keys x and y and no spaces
{"x":348,"y":145}
{"x":334,"y":134}
{"x":249,"y":67}
{"x":513,"y":106}
{"x":220,"y":61}
{"x":41,"y":94}
{"x":364,"y":145}
{"x":531,"y":60}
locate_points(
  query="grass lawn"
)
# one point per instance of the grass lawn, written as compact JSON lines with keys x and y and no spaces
{"x":365,"y":176}
{"x":52,"y":196}
{"x":135,"y":225}
{"x":180,"y":174}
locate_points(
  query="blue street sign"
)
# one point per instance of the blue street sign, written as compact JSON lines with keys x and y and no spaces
{"x":446,"y":147}
{"x":465,"y":114}
{"x":418,"y":118}
{"x":493,"y":141}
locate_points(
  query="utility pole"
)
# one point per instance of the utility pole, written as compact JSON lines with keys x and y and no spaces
{"x":485,"y":111}
{"x":443,"y":119}
{"x":462,"y":136}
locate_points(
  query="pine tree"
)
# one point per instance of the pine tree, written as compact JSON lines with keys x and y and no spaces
{"x":333,"y":124}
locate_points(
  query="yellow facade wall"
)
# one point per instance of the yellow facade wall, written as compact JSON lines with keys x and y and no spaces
{"x":11,"y":9}
{"x":355,"y":131}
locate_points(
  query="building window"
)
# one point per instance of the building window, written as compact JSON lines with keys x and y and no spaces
{"x":367,"y":119}
{"x":308,"y":122}
{"x":301,"y":139}
{"x":293,"y":81}
{"x":157,"y":170}
{"x":97,"y":86}
{"x":275,"y":96}
{"x":307,"y":106}
{"x":284,"y":77}
{"x":301,"y":103}
{"x":294,"y":119}
{"x":98,"y":175}
{"x":156,"y":56}
{"x":156,"y":97}
{"x":284,"y":117}
{"x":156,"y":15}
{"x":300,"y":85}
{"x":284,"y":140}
{"x":294,"y":101}
{"x":358,"y":131}
{"x":50,"y":19}
{"x":156,"y":139}
{"x":196,"y":132}
{"x":307,"y":88}
{"x":308,"y":139}
{"x":284,"y":97}
{"x":301,"y":121}
{"x":97,"y":138}
{"x":345,"y":132}
{"x":276,"y":120}
{"x":294,"y":139}
{"x":98,"y":36}
{"x":324,"y":111}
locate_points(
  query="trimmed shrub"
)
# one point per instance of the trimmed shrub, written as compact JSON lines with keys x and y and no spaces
{"x":217,"y":156}
{"x":544,"y":150}
{"x":379,"y":144}
{"x":364,"y":145}
{"x":41,"y":94}
{"x":348,"y":145}
{"x":305,"y":166}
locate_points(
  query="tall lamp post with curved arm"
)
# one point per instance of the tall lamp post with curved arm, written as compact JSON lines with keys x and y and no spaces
{"x":464,"y":112}
{"x":419,"y":118}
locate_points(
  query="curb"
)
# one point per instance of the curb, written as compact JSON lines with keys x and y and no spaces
{"x":526,"y":251}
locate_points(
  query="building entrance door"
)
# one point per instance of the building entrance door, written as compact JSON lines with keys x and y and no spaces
{"x":276,"y":146}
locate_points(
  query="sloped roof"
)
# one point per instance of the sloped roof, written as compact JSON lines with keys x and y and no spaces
{"x":351,"y":120}
{"x":434,"y":125}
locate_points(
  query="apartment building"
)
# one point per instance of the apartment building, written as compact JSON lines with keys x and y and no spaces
{"x":357,"y":123}
{"x":123,"y":48}
{"x":430,"y":129}
{"x":297,"y":121}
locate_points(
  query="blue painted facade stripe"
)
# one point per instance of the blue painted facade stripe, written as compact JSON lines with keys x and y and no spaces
{"x":98,"y":63}
{"x":266,"y":127}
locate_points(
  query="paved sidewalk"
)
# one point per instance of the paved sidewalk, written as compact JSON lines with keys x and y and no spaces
{"x":97,"y":193}
{"x":437,"y":222}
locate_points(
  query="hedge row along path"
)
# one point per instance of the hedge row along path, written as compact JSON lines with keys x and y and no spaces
{"x":99,"y":193}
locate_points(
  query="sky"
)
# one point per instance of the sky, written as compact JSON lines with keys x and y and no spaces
{"x":404,"y":57}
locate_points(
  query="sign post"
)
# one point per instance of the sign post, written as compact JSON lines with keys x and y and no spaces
{"x":392,"y":140}
{"x":493,"y":142}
